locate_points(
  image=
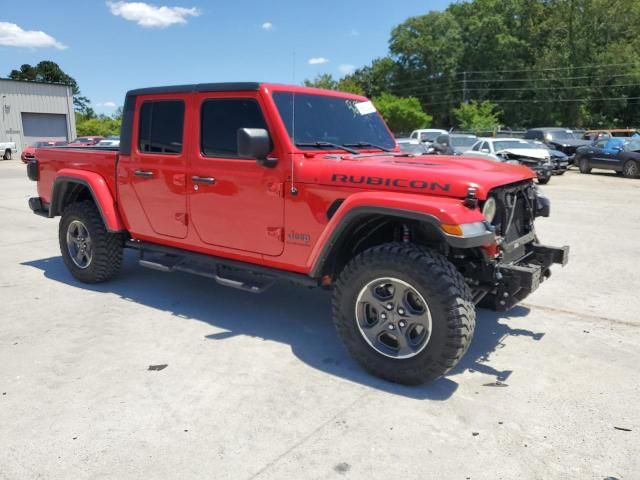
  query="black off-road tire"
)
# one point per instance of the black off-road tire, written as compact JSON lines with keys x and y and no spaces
{"x":583,"y":166}
{"x":630,"y":169}
{"x":107,"y":247}
{"x":544,"y":180}
{"x":445,"y":292}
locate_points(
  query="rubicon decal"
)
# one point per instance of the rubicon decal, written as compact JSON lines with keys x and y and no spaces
{"x":390,"y":182}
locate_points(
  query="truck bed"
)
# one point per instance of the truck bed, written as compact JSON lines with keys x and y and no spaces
{"x":101,"y":160}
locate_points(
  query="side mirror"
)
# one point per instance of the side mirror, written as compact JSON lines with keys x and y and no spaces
{"x":255,"y":143}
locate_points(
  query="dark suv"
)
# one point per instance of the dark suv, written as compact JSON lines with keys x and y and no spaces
{"x":558,"y":138}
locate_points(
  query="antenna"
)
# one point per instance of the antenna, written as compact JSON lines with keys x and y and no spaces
{"x":294,"y":190}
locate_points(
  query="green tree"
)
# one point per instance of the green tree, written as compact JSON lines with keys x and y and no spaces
{"x":102,"y":125}
{"x":324,"y":80}
{"x":477,"y":115}
{"x":375,"y":79}
{"x":48,"y":71}
{"x":402,"y":114}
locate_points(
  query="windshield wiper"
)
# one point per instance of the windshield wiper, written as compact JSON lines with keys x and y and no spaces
{"x":327,"y":144}
{"x":367,"y":144}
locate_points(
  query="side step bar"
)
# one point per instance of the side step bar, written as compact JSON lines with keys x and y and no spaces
{"x":230,"y":273}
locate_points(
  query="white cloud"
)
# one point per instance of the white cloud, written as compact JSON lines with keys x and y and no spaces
{"x":108,"y":104}
{"x":318,"y":61}
{"x":151,"y":16}
{"x":346,"y":68}
{"x":11,"y":35}
{"x":268,"y":26}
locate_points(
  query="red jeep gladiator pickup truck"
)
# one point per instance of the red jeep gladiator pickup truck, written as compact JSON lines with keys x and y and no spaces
{"x":248,"y":183}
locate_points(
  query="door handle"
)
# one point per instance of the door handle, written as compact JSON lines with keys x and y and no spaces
{"x":143,"y":173}
{"x":207,"y":180}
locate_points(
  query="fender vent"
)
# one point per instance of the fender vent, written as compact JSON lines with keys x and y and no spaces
{"x":331,"y":211}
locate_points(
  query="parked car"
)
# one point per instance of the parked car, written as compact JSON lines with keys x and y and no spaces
{"x":622,"y":155}
{"x":559,"y":159}
{"x":225,"y":190}
{"x":427,"y":135}
{"x":412,"y":146}
{"x":109,"y":142}
{"x":29,"y":153}
{"x":85,"y":141}
{"x":7,"y":149}
{"x":595,"y":135}
{"x":454,"y":143}
{"x":515,"y":150}
{"x":563,"y":139}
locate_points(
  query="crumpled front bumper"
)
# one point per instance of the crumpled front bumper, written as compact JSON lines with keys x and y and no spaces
{"x":517,"y":280}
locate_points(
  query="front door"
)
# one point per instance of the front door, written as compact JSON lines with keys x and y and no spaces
{"x":156,"y":168}
{"x":234,"y":202}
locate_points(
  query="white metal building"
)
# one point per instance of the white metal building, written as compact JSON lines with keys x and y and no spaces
{"x":34,"y":111}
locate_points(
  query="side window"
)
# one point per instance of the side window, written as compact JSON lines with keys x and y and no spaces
{"x":476,"y":146}
{"x":601,"y":143}
{"x":442,"y":140}
{"x":414,"y":135}
{"x":220,"y":121}
{"x":485,"y":147}
{"x":160,"y":127}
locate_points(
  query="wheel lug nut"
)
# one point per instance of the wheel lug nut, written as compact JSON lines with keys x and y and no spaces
{"x":391,"y":327}
{"x":401,"y":311}
{"x":402,"y":324}
{"x":383,"y":316}
{"x":389,"y":306}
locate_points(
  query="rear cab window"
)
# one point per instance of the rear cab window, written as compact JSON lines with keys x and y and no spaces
{"x":161,"y":127}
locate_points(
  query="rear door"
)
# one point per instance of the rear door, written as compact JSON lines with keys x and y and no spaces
{"x":153,"y":177}
{"x":596,"y":153}
{"x":234,"y":202}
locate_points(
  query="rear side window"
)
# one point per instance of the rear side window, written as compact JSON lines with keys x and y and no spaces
{"x":161,"y":126}
{"x":220,"y":121}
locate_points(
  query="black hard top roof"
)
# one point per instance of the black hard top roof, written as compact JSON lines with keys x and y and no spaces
{"x":197,"y":87}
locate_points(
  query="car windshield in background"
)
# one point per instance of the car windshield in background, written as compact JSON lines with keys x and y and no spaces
{"x":326,"y":119}
{"x":413,"y":148}
{"x":463,"y":141}
{"x":632,"y":146}
{"x":429,"y":136}
{"x":562,"y":135}
{"x":509,"y":144}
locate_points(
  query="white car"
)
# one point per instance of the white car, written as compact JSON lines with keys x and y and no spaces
{"x":109,"y":142}
{"x":515,"y":150}
{"x":7,"y":149}
{"x":427,"y":135}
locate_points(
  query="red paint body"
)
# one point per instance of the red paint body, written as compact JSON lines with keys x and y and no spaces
{"x":250,"y":214}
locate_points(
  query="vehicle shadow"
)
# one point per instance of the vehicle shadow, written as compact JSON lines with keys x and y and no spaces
{"x":286,"y":313}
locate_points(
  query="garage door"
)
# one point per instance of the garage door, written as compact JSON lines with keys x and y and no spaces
{"x":43,"y":126}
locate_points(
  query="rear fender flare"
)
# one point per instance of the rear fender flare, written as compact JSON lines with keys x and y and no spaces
{"x":98,"y":189}
{"x":434,"y":211}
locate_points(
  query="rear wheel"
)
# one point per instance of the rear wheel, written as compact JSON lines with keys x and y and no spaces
{"x":404,"y":313}
{"x":583,"y":165}
{"x":630,"y":169}
{"x":544,"y":180}
{"x":91,"y":253}
{"x":7,"y":154}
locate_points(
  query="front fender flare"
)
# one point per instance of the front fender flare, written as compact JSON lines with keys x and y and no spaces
{"x":99,"y":190}
{"x":432,"y":210}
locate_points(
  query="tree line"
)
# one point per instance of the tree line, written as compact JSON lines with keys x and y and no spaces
{"x":528,"y":63}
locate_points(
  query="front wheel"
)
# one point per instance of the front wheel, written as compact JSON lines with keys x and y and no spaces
{"x":544,"y":180}
{"x":630,"y":169}
{"x":583,"y":165}
{"x":91,"y":253}
{"x":404,"y":313}
{"x":7,"y":154}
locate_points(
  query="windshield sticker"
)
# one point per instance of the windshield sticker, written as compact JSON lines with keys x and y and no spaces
{"x":365,"y":108}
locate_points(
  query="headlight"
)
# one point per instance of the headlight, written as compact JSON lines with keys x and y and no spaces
{"x":489,"y":209}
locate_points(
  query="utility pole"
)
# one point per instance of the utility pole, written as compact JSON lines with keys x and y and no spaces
{"x":464,"y":88}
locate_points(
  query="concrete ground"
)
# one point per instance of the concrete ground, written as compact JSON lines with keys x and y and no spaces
{"x":259,"y":386}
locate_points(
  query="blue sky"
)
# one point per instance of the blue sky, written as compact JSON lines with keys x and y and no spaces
{"x":112,"y":46}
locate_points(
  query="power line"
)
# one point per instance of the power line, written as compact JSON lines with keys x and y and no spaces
{"x":602,"y":65}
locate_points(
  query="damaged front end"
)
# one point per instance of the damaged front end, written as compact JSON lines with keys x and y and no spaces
{"x":519,"y":263}
{"x":543,"y":167}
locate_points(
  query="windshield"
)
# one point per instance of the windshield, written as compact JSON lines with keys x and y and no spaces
{"x":412,"y":148}
{"x":326,"y":119}
{"x":463,"y":141}
{"x":509,"y":144}
{"x":561,"y":135}
{"x":632,"y":146}
{"x":429,"y":136}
